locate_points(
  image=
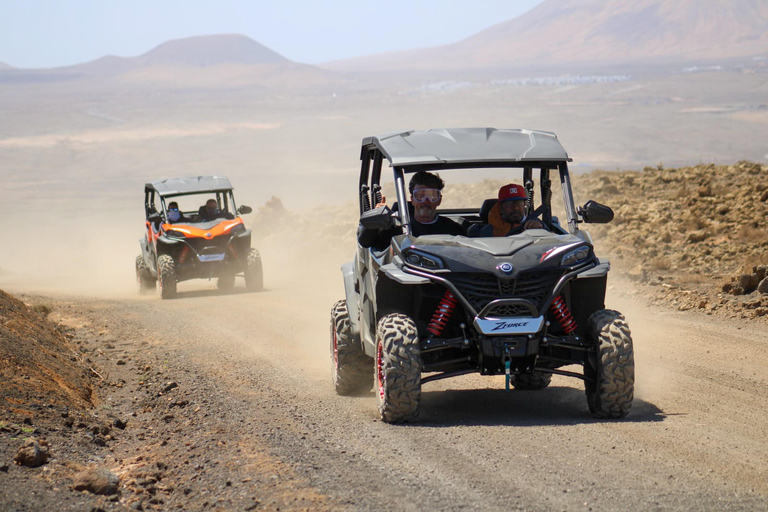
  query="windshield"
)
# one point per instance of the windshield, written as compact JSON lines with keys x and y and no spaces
{"x":468,"y":189}
{"x":198,"y":208}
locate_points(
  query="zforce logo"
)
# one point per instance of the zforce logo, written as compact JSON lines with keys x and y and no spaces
{"x":509,"y":325}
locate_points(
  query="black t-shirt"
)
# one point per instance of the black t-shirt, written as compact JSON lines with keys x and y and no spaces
{"x":379,"y":240}
{"x":441,"y":226}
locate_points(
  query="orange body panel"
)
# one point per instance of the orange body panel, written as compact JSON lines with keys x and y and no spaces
{"x":195,"y":232}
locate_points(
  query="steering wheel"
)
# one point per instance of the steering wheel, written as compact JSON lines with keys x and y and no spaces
{"x":534,"y":216}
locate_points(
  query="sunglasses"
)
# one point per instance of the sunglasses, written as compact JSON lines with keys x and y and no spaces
{"x":423,"y":195}
{"x":173,"y":209}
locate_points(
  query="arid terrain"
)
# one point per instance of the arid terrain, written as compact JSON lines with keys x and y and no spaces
{"x":223,"y":401}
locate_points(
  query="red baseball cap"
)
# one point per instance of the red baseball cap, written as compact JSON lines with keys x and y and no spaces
{"x":512,"y":192}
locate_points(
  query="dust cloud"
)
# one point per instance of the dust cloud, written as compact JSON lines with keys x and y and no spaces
{"x":94,"y":254}
{"x":64,"y":241}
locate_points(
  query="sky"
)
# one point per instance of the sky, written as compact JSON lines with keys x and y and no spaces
{"x":51,"y":33}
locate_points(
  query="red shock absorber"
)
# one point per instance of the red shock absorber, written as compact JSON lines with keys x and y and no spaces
{"x":184,"y":254}
{"x":563,"y":316}
{"x":442,"y":314}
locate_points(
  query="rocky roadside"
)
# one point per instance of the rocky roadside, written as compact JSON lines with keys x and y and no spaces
{"x":694,"y":237}
{"x":152,"y":434}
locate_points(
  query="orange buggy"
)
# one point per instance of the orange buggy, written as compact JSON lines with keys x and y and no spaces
{"x":193,"y":230}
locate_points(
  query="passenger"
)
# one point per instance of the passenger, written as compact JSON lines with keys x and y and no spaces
{"x":507,"y":217}
{"x":174,"y":214}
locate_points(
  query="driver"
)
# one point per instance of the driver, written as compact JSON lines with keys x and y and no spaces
{"x":426,"y":195}
{"x":211,"y":211}
{"x":507,"y":217}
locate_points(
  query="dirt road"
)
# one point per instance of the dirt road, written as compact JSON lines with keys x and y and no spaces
{"x":256,"y":365}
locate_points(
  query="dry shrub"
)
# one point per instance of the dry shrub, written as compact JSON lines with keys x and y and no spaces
{"x":689,"y":279}
{"x":751,"y":262}
{"x":679,"y":193}
{"x":660,"y":263}
{"x":42,"y":309}
{"x":694,"y":223}
{"x":752,"y":234}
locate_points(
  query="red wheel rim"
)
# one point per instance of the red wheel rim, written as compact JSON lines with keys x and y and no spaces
{"x":380,"y":378}
{"x":335,"y":350}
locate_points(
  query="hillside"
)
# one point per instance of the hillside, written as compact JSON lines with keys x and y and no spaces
{"x":39,"y":366}
{"x":560,"y":32}
{"x":695,"y":235}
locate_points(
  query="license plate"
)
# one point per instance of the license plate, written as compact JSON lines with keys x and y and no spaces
{"x":522,"y":325}
{"x":211,"y":257}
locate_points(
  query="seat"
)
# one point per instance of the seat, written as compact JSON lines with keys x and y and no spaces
{"x":474,"y":230}
{"x":485,"y":209}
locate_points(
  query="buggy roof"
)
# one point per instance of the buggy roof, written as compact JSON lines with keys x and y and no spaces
{"x":468,"y":145}
{"x":190,"y":185}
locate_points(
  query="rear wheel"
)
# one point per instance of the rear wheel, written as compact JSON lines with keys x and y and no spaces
{"x":166,"y":271}
{"x":398,"y":368}
{"x":531,"y":381}
{"x":254,"y":276}
{"x":611,"y":374}
{"x":226,"y":281}
{"x":147,"y":283}
{"x":351,"y":367}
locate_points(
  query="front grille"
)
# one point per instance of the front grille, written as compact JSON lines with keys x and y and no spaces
{"x":204,"y":245}
{"x":479,"y":288}
{"x":509,"y":310}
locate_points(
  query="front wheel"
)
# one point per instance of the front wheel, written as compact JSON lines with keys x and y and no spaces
{"x":166,"y":271}
{"x":398,"y":368}
{"x":351,"y":367}
{"x":254,"y":275}
{"x":611,"y":373}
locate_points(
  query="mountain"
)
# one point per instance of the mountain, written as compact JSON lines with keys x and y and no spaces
{"x":193,"y":52}
{"x":605,"y":31}
{"x":212,"y":61}
{"x":3,"y":65}
{"x":203,"y":51}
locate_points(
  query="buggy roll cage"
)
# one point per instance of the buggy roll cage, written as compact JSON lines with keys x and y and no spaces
{"x":223,"y":199}
{"x":370,"y":183}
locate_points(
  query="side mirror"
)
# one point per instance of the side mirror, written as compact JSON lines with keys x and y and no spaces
{"x":595,"y":213}
{"x":378,"y":218}
{"x":155,"y":217}
{"x":244,"y":209}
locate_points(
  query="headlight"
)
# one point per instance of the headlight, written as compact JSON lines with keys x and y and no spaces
{"x":237,"y":229}
{"x":575,"y":256}
{"x":174,"y":234}
{"x":423,"y":260}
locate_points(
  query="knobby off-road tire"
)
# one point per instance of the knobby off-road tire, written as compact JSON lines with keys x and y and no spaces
{"x":147,"y":283}
{"x":531,"y":381}
{"x":166,"y":271}
{"x":254,"y":275}
{"x":611,"y":394}
{"x":351,"y":367}
{"x":398,"y":369}
{"x":226,"y":281}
